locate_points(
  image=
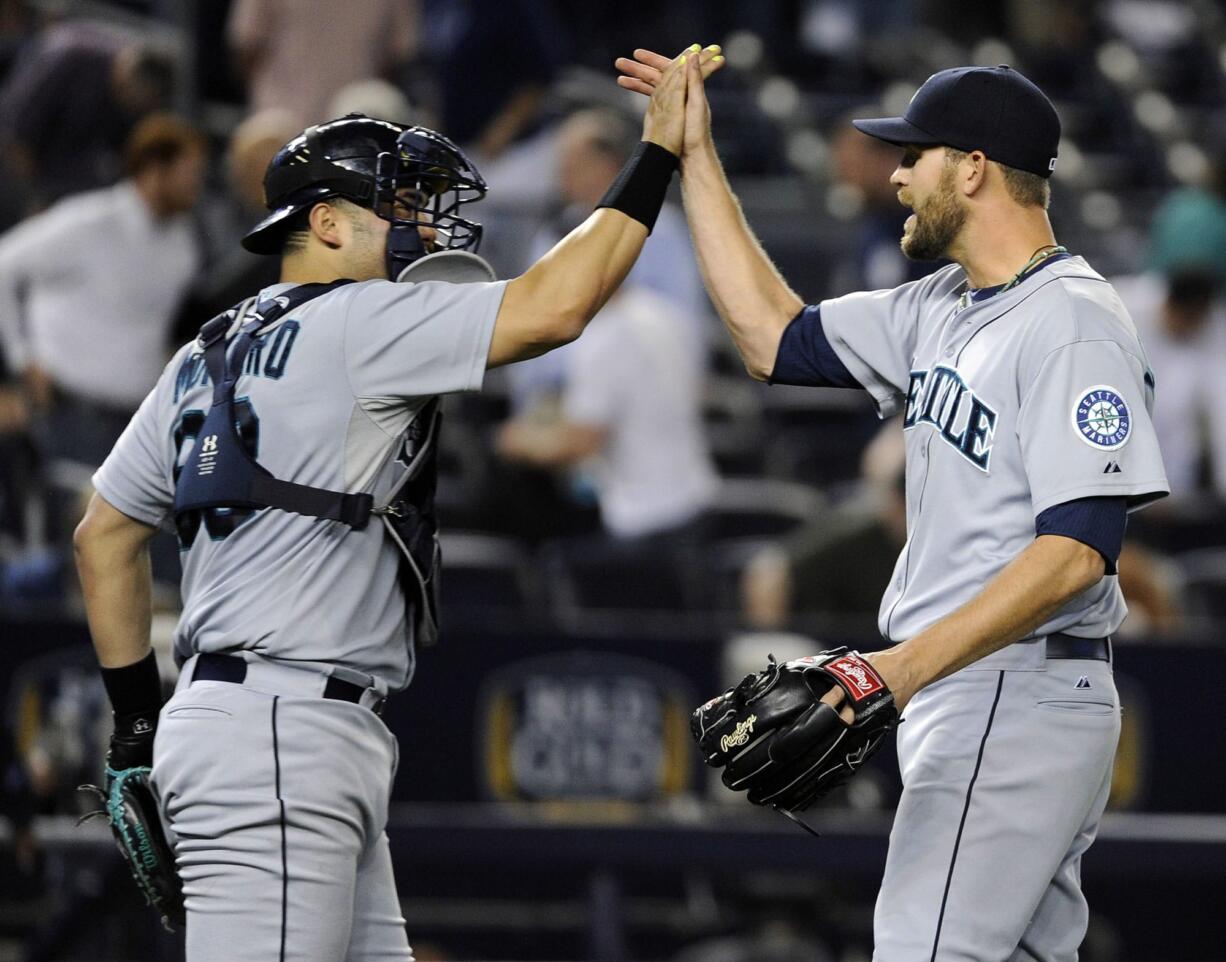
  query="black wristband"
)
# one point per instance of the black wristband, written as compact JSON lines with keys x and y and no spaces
{"x":134,"y":689}
{"x":639,"y":189}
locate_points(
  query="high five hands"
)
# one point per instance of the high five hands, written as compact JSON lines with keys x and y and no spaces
{"x":678,"y":117}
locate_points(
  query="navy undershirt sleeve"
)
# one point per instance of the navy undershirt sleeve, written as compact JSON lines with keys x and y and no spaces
{"x":805,"y":356}
{"x":1097,"y":522}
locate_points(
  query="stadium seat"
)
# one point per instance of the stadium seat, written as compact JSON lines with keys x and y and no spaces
{"x":486,"y":571}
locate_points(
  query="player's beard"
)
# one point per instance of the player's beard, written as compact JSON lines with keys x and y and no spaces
{"x":938,"y":221}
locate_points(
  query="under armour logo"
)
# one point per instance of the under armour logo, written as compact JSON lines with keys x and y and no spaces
{"x":142,"y":726}
{"x":1113,"y":467}
{"x":1083,"y":682}
{"x":209,"y":444}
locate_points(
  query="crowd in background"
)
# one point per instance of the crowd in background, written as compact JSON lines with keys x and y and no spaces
{"x":638,"y":468}
{"x":133,"y":142}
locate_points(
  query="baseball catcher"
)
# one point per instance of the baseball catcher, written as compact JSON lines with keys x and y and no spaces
{"x":776,"y":738}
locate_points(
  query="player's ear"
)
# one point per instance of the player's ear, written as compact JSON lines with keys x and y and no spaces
{"x":973,"y":172}
{"x":326,"y":223}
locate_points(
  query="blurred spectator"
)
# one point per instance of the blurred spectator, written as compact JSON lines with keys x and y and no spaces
{"x":873,"y":259}
{"x":838,"y":564}
{"x":1189,"y":230}
{"x":591,"y":146}
{"x":16,"y":29}
{"x":377,"y":98}
{"x":70,"y":102}
{"x":494,"y":59}
{"x":296,"y":55}
{"x":631,"y":413}
{"x":1182,"y":323}
{"x":88,"y":290}
{"x":1178,"y":309}
{"x":234,"y":273}
{"x":1151,"y":584}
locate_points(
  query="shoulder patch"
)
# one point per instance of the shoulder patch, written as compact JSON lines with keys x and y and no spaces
{"x":1101,"y":417}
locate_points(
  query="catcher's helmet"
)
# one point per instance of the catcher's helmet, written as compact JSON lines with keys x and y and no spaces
{"x":412,"y":177}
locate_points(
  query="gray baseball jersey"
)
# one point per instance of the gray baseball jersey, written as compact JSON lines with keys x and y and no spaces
{"x":324,"y":399}
{"x":1031,"y":398}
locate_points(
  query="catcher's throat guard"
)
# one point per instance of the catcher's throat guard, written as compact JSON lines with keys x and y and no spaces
{"x":775,"y":739}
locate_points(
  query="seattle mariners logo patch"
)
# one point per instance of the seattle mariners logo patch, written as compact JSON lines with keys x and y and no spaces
{"x":1101,"y":418}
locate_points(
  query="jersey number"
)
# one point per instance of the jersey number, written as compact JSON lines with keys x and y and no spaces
{"x":218,"y":522}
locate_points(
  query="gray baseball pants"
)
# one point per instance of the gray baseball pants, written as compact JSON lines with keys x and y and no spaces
{"x":1005,"y":777}
{"x":276,"y":801}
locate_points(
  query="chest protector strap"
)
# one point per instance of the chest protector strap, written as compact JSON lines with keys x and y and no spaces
{"x":221,"y":472}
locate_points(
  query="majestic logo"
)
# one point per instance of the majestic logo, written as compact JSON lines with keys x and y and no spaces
{"x":856,"y":674}
{"x":1101,"y":418}
{"x":943,"y":400}
{"x":740,"y":734}
{"x":1083,"y":682}
{"x":1113,"y":467}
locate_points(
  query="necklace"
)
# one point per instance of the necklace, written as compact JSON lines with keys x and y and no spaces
{"x":1037,"y":258}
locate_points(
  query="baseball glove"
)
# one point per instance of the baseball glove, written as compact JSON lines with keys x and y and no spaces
{"x":132,"y":811}
{"x":773,"y":736}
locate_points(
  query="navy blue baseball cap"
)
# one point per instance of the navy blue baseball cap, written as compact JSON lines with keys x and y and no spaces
{"x":993,"y":109}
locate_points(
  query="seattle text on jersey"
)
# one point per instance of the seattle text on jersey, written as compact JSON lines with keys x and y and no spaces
{"x":942,"y":399}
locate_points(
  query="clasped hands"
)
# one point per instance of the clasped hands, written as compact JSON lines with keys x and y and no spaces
{"x":678,"y":117}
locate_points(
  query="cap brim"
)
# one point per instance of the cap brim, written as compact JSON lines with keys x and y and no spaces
{"x":894,"y":130}
{"x":266,"y":236}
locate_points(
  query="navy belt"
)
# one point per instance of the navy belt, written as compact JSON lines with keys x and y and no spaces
{"x":1070,"y":647}
{"x":215,"y":667}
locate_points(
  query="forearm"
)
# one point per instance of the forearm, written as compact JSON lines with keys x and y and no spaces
{"x":553,"y":301}
{"x":1041,"y":580}
{"x":581,"y":272}
{"x":754,"y":301}
{"x":116,"y":580}
{"x":118,"y":606}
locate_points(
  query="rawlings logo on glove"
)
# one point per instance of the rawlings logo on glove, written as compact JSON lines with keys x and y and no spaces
{"x":740,"y":735}
{"x":802,"y":749}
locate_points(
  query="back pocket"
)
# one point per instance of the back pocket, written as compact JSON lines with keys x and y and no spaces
{"x":198,"y":711}
{"x":1079,"y":707}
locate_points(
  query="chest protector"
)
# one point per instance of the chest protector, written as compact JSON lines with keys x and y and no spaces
{"x":221,"y":474}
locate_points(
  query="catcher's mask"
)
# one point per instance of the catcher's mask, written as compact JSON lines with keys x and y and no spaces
{"x":426,"y":184}
{"x":411,"y":177}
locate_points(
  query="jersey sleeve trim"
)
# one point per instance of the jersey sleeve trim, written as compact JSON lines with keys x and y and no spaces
{"x":805,"y":356}
{"x":1098,"y":523}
